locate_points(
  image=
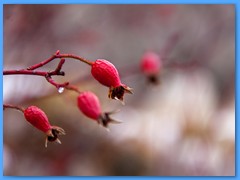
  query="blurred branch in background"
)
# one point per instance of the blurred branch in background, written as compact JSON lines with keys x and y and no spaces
{"x":183,"y":126}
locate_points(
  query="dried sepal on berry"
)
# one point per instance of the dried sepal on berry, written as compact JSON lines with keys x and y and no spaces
{"x":37,"y":118}
{"x":118,"y":92}
{"x":52,"y":135}
{"x":151,"y":65}
{"x":89,"y":104}
{"x":106,"y":74}
{"x":104,"y":119}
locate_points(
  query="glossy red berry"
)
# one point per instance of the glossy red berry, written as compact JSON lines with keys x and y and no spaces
{"x":106,"y":74}
{"x":151,"y":65}
{"x":39,"y":120}
{"x":88,"y":103}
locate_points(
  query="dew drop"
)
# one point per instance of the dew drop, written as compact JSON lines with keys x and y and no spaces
{"x":61,"y":89}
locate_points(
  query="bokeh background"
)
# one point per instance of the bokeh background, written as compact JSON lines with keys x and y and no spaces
{"x":183,"y":126}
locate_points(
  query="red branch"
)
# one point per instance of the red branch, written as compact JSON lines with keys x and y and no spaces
{"x":48,"y":75}
{"x":13,"y":107}
{"x":57,"y":55}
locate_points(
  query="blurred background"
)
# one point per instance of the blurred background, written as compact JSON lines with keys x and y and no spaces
{"x":183,"y":126}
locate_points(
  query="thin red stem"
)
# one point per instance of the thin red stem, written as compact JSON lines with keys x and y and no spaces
{"x":57,"y":55}
{"x":47,"y":75}
{"x":74,"y":57}
{"x":73,"y":88}
{"x":25,"y":72}
{"x":41,"y":63}
{"x":13,"y":107}
{"x":60,"y":64}
{"x":57,"y":85}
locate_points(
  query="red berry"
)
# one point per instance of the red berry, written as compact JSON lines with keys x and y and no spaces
{"x":39,"y":120}
{"x":151,"y":63}
{"x":106,"y":73}
{"x":89,"y":105}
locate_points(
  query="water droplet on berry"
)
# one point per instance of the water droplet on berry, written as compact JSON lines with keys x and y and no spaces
{"x":60,"y":90}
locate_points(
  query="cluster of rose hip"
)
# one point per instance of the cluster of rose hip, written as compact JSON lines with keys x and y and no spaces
{"x":88,"y":103}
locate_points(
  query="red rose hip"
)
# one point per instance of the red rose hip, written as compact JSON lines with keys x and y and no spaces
{"x":151,"y":65}
{"x":88,"y":103}
{"x":39,"y":120}
{"x":106,"y":74}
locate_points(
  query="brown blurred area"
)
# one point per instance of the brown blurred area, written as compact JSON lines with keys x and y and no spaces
{"x":184,"y":126}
